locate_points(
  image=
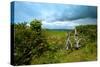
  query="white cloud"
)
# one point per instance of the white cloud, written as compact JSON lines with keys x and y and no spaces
{"x":67,"y":24}
{"x":59,"y":25}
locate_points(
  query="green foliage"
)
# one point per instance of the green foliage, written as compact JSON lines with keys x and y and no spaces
{"x":88,"y":31}
{"x":36,"y":25}
{"x":57,"y":39}
{"x":28,"y":42}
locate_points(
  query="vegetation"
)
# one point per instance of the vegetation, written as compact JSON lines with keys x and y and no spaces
{"x":28,"y":42}
{"x":34,"y":45}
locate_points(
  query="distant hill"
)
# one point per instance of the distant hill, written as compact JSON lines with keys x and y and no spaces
{"x":60,"y":29}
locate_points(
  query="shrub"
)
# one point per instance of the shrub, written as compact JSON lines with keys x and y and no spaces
{"x":28,"y":42}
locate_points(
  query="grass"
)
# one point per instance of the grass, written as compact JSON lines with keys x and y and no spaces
{"x":58,"y":54}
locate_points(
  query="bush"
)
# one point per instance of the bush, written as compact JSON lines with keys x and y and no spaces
{"x":28,"y":42}
{"x":88,"y":31}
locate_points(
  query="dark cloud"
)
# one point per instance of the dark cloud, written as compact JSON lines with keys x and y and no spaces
{"x":78,"y":12}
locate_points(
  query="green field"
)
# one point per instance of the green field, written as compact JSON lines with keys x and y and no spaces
{"x":58,"y":53}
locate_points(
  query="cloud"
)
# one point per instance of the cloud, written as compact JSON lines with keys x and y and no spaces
{"x":25,"y":11}
{"x":75,"y":12}
{"x":58,"y":25}
{"x":85,"y":21}
{"x":68,"y":24}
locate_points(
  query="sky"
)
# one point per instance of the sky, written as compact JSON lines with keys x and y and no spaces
{"x":54,"y":16}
